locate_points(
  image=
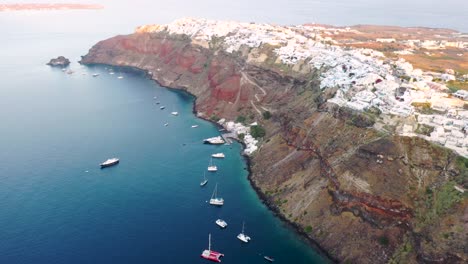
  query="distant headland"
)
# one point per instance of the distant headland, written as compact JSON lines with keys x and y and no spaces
{"x":48,"y":6}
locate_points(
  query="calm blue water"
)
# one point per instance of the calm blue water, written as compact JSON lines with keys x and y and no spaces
{"x":57,"y":206}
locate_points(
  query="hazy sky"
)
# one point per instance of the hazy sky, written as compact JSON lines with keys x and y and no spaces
{"x":448,"y":13}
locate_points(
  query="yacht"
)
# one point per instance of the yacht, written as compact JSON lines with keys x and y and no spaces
{"x":109,"y":162}
{"x":162,"y":107}
{"x":221,"y":223}
{"x":218,"y":155}
{"x":214,"y":140}
{"x":214,"y":199}
{"x":194,"y":126}
{"x":111,"y":73}
{"x":175,"y":113}
{"x":211,"y":167}
{"x":166,"y":124}
{"x":243,"y":237}
{"x":120,"y":77}
{"x":268,"y":258}
{"x":210,"y":254}
{"x":95,"y":74}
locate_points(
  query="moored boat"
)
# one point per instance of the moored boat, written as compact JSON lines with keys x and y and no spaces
{"x":218,"y":155}
{"x":194,"y":126}
{"x":162,"y":107}
{"x":215,"y":200}
{"x":95,"y":74}
{"x":109,"y":162}
{"x":205,"y":180}
{"x":221,"y":223}
{"x":210,"y":254}
{"x":214,"y":140}
{"x":270,"y":259}
{"x":243,"y":237}
{"x":175,"y":113}
{"x":211,"y":167}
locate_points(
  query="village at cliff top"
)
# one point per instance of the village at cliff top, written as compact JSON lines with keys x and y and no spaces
{"x":364,"y":78}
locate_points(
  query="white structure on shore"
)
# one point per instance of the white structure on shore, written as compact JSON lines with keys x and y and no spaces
{"x":364,"y":78}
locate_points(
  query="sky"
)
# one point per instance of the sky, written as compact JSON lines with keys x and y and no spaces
{"x":430,"y":13}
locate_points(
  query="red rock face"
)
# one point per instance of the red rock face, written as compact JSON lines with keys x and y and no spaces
{"x":215,"y":80}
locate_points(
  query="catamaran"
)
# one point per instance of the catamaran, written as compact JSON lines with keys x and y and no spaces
{"x":214,"y":197}
{"x":210,"y":254}
{"x":243,"y":237}
{"x":205,"y":180}
{"x":218,"y":155}
{"x":221,"y":223}
{"x":211,"y":167}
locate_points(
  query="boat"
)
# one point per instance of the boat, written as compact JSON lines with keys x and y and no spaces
{"x":214,"y":140}
{"x":214,"y":199}
{"x":158,"y":102}
{"x":111,"y":73}
{"x":175,"y":113}
{"x":120,"y":77}
{"x":270,"y":259}
{"x":166,"y":124}
{"x":218,"y":155}
{"x":155,"y":97}
{"x":221,"y":223}
{"x":95,"y":74}
{"x":205,"y":180}
{"x":211,"y":167}
{"x":162,"y":107}
{"x":109,"y":162}
{"x":243,"y":237}
{"x":194,"y":126}
{"x":211,"y":254}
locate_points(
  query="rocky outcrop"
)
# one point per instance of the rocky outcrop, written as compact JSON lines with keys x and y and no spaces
{"x":362,"y":195}
{"x":60,"y":61}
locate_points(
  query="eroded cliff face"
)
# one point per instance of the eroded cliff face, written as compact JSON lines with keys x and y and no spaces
{"x":364,"y":196}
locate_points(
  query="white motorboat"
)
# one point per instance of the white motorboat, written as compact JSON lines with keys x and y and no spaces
{"x":214,"y":140}
{"x":243,"y":237}
{"x":215,"y":200}
{"x":109,"y":162}
{"x":194,"y":126}
{"x":221,"y":223}
{"x":218,"y":155}
{"x":175,"y":113}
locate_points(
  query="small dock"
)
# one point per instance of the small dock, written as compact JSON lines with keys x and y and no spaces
{"x":229,"y":136}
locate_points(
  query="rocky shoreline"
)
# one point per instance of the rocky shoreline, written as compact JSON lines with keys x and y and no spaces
{"x":361,"y":194}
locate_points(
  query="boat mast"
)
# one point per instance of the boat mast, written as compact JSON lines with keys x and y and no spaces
{"x":209,"y":242}
{"x":243,"y":222}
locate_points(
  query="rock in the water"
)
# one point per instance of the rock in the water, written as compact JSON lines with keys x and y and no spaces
{"x":60,"y":61}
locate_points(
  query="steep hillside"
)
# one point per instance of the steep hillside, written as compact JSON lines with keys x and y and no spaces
{"x":365,"y":196}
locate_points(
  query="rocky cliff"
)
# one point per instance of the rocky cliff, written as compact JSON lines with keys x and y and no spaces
{"x":364,"y":195}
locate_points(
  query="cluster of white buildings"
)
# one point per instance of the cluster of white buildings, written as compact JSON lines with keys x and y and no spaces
{"x":238,"y":129}
{"x":364,"y":78}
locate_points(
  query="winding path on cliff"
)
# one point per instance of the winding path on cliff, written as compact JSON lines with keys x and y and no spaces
{"x":246,"y":78}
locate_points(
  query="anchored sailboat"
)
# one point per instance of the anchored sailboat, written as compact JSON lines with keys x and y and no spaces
{"x":205,"y":180}
{"x":215,"y":200}
{"x":243,"y":237}
{"x":210,"y":254}
{"x":211,"y":167}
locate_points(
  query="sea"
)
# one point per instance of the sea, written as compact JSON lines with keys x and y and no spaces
{"x":58,"y":206}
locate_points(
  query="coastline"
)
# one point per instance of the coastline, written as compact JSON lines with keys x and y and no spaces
{"x":261,"y":196}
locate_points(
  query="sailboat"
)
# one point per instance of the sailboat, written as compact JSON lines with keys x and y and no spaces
{"x":243,"y":237}
{"x":211,"y":167}
{"x":210,"y":254}
{"x":214,"y":197}
{"x":205,"y":180}
{"x":174,"y":113}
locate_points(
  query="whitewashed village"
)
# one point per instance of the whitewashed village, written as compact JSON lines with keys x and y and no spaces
{"x":364,"y":78}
